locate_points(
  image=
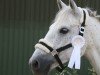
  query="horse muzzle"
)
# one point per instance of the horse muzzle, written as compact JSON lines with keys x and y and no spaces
{"x":40,"y":64}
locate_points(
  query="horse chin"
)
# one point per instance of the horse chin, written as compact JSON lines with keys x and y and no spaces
{"x":41,"y":72}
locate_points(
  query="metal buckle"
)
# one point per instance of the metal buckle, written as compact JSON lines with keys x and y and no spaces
{"x":82,"y":27}
{"x":54,"y":52}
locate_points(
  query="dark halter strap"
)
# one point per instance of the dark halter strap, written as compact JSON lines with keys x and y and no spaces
{"x":83,"y":24}
{"x":55,"y":52}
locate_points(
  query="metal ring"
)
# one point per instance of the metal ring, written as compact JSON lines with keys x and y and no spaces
{"x":54,"y":52}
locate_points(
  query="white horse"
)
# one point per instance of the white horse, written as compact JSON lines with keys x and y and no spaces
{"x":65,"y":26}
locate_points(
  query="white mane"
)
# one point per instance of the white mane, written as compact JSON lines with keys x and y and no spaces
{"x":93,"y":14}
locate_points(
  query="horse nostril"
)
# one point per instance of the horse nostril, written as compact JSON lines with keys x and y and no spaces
{"x":35,"y":65}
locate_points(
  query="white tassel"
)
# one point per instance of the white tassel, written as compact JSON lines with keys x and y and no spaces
{"x":77,"y":42}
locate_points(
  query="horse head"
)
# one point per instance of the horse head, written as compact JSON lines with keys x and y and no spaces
{"x":65,"y":26}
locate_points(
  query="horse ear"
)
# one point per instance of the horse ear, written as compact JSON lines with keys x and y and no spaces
{"x":61,"y":4}
{"x":73,"y":6}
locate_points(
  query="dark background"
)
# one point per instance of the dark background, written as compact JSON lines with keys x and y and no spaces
{"x":22,"y":24}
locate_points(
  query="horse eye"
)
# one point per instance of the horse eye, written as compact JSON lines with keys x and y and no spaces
{"x":64,"y":30}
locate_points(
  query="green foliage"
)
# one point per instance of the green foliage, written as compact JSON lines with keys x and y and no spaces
{"x":79,"y":1}
{"x":68,"y":71}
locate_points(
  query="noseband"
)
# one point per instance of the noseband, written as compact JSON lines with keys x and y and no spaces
{"x":57,"y":51}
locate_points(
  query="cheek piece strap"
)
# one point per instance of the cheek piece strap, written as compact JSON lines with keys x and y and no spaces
{"x":76,"y":41}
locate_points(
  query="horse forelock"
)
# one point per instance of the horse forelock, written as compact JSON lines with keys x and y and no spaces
{"x":65,"y":15}
{"x":61,"y":13}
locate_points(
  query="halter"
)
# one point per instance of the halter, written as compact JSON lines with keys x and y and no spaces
{"x":49,"y":49}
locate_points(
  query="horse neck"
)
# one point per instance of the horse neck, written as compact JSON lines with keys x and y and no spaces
{"x":93,"y":46}
{"x":93,"y":56}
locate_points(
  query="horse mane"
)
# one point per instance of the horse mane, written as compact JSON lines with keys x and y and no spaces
{"x":93,"y":13}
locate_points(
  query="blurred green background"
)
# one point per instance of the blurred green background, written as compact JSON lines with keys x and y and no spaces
{"x":22,"y":24}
